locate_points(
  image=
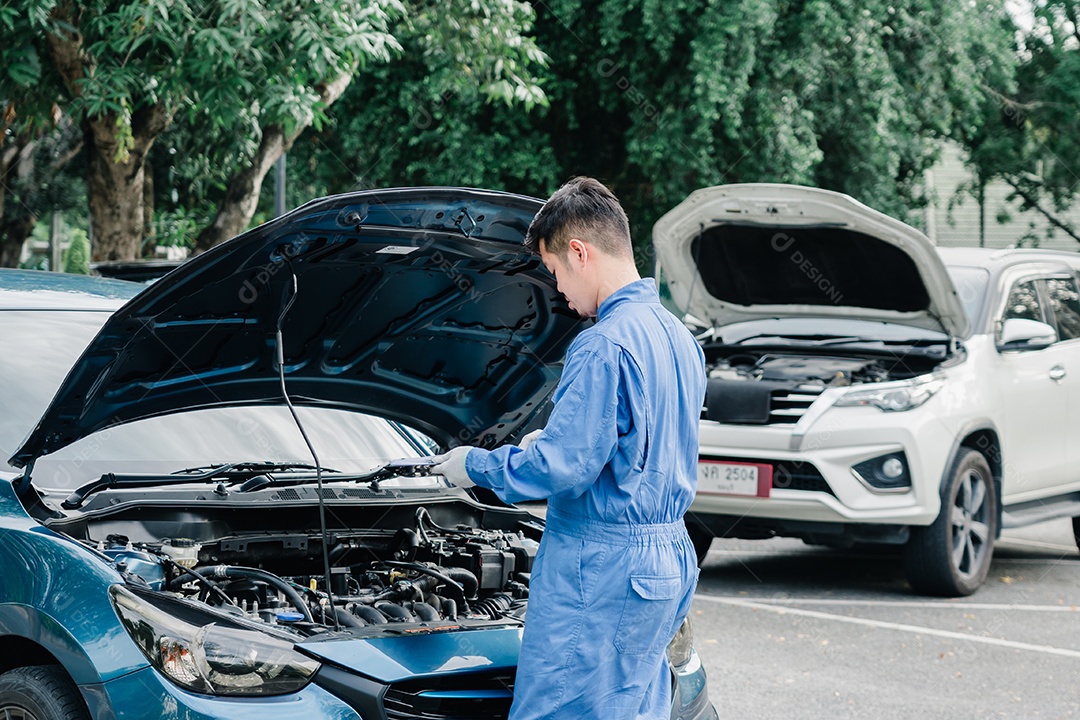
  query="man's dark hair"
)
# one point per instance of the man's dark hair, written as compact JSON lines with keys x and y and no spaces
{"x":583,"y":208}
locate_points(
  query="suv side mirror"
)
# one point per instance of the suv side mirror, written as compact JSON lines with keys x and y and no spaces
{"x":1021,"y":334}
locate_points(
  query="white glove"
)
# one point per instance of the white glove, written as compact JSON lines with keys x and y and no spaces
{"x":451,"y":465}
{"x":529,"y":439}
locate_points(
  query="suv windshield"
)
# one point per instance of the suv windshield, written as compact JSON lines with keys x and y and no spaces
{"x":970,"y":283}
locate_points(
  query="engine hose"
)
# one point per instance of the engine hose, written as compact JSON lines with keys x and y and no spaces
{"x":450,"y":583}
{"x":494,"y":606}
{"x":469,"y":583}
{"x":368,"y":614}
{"x":207,"y":585}
{"x":347,"y":618}
{"x":424,"y":611}
{"x":231,"y":571}
{"x":396,"y":613}
{"x":449,"y":608}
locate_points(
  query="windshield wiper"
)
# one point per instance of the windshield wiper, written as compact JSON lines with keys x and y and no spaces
{"x":226,"y":468}
{"x":235,"y":472}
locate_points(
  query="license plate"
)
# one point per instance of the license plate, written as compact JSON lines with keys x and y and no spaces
{"x":728,"y":478}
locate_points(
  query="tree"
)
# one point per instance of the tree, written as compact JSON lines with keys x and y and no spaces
{"x":661,"y":98}
{"x":122,"y":71}
{"x":40,"y":173}
{"x":1028,"y":133}
{"x":77,"y":257}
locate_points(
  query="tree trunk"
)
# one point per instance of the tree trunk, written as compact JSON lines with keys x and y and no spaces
{"x":115,"y":195}
{"x":16,"y":222}
{"x":115,"y":182}
{"x":242,"y":197}
{"x":149,"y":244}
{"x":14,"y":231}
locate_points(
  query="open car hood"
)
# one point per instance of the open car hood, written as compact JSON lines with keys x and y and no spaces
{"x":420,"y":305}
{"x":743,"y":252}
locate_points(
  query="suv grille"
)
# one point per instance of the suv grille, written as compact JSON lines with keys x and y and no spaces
{"x":788,"y":474}
{"x":787,"y":406}
{"x":458,"y":698}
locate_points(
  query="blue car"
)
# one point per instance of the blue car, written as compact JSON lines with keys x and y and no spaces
{"x":207,"y":514}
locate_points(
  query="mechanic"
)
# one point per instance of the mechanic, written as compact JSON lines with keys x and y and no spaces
{"x":617,"y":462}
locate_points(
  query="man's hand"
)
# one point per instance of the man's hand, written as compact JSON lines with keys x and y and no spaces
{"x":451,"y":465}
{"x":528,"y":440}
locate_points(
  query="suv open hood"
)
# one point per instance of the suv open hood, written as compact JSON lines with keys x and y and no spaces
{"x":420,"y":305}
{"x":743,"y":252}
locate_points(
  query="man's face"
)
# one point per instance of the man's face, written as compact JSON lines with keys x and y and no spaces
{"x":570,"y":278}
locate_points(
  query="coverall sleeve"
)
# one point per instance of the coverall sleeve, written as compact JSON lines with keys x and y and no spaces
{"x":579,"y":439}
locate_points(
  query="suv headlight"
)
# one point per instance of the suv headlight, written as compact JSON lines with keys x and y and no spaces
{"x":682,"y":646}
{"x":893,"y":396}
{"x":210,"y":654}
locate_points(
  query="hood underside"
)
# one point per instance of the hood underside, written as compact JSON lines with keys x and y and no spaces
{"x":744,"y":252}
{"x":420,"y":305}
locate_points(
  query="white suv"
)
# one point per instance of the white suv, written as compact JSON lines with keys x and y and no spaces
{"x":865,"y":386}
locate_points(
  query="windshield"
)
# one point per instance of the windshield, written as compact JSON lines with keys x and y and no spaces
{"x":971,"y":283}
{"x":802,"y":330}
{"x":40,"y":346}
{"x":43,"y":345}
{"x":346,"y":441}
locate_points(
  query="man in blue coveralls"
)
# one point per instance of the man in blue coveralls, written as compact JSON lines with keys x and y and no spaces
{"x":617,"y":462}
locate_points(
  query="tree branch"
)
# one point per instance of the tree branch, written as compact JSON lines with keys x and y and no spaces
{"x":1032,"y":201}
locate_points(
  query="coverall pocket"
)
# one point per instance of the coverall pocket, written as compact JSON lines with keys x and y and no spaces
{"x":651,"y":602}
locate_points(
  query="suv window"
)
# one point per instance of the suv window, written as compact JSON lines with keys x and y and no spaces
{"x":1065,"y":304}
{"x":1023,"y":302}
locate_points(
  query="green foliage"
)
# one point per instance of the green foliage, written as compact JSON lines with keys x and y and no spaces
{"x":660,"y":97}
{"x":1028,"y":133}
{"x":475,"y":51}
{"x":77,"y":256}
{"x":179,"y":227}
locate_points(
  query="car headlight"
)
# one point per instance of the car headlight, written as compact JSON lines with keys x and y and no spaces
{"x":682,"y":646}
{"x":893,"y":396}
{"x":210,"y":654}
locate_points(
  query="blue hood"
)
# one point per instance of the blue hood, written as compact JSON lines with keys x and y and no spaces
{"x":393,"y":659}
{"x":421,"y":305}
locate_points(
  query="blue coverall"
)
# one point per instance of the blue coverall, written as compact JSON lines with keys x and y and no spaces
{"x":617,"y":460}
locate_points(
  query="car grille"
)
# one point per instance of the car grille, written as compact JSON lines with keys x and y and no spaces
{"x":787,"y":406}
{"x":484,"y":697}
{"x":788,"y":474}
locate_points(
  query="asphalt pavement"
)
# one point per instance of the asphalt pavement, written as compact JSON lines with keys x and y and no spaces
{"x":786,"y":630}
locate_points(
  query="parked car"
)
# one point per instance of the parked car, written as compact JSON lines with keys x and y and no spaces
{"x":868,"y":387}
{"x":206,"y":519}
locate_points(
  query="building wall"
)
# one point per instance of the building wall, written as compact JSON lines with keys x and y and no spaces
{"x":959,"y":225}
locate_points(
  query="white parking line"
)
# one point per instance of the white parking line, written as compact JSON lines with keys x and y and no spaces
{"x":946,"y":604}
{"x":885,"y":625}
{"x":1035,"y":543}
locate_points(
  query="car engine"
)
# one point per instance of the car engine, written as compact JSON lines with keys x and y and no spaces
{"x":758,"y":388}
{"x":427,"y":575}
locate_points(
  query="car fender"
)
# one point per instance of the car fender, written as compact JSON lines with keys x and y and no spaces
{"x":55,"y":592}
{"x":992,"y":455}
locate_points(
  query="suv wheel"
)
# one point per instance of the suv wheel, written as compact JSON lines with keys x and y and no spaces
{"x":952,"y":556}
{"x":42,"y":692}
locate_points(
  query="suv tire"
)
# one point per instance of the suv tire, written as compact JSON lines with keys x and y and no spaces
{"x":951,"y":556}
{"x":41,"y":692}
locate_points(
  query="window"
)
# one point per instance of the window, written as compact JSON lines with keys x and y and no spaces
{"x":1023,"y":302}
{"x":1065,"y":304}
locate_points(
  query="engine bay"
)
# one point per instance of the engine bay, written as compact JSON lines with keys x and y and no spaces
{"x":404,"y":572}
{"x":767,"y":387}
